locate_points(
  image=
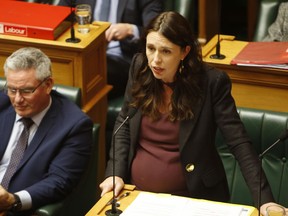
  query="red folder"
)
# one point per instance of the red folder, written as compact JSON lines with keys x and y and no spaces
{"x":33,"y":19}
{"x":263,"y":53}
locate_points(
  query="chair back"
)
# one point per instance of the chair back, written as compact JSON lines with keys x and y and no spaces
{"x":264,"y":128}
{"x":186,"y":8}
{"x":268,"y":10}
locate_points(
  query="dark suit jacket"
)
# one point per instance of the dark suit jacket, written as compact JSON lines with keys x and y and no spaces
{"x":137,"y":12}
{"x":57,"y":155}
{"x":197,"y":140}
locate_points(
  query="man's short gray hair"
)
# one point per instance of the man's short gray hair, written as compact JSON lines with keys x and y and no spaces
{"x":29,"y":58}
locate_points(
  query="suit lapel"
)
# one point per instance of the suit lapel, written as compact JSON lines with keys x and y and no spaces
{"x":6,"y":126}
{"x":187,"y":126}
{"x":121,"y":6}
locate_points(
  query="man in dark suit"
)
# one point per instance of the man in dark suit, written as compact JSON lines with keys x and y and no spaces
{"x":59,"y":142}
{"x":128,"y":18}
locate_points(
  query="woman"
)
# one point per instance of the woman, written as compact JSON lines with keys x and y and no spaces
{"x":168,"y":146}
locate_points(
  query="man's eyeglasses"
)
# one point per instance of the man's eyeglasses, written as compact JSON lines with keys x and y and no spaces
{"x":22,"y":91}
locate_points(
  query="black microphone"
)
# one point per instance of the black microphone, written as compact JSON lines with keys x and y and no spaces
{"x":72,"y":39}
{"x":282,"y":137}
{"x":114,"y":211}
{"x":218,"y":55}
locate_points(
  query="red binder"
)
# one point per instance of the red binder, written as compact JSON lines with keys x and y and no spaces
{"x":263,"y":53}
{"x":33,"y":19}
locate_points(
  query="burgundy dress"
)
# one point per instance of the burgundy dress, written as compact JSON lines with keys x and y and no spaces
{"x":156,"y":166}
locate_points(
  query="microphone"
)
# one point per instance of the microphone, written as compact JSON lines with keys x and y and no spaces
{"x":114,"y":211}
{"x":218,"y":55}
{"x":72,"y":39}
{"x":283,"y":136}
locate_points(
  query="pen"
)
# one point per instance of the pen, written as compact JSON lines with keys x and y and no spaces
{"x":118,"y":198}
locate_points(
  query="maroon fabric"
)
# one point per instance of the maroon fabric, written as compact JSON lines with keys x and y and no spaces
{"x":156,"y":166}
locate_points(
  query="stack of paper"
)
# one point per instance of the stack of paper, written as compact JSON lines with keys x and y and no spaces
{"x":151,"y":204}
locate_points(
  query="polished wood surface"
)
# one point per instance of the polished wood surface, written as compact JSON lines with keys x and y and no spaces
{"x":100,"y":207}
{"x":75,"y":64}
{"x":252,"y":87}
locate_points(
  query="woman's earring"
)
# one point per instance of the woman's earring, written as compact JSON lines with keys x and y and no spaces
{"x":181,"y":67}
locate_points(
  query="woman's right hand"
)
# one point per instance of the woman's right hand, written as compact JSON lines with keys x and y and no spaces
{"x":107,"y":185}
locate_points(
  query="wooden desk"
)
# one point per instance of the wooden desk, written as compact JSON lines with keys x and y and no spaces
{"x":252,"y":87}
{"x":100,"y":207}
{"x":75,"y":64}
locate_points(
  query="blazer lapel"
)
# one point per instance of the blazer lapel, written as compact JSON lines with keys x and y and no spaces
{"x":121,"y":6}
{"x":187,"y":126}
{"x":7,"y":126}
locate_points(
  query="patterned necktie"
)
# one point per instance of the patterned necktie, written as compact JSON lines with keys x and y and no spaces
{"x":18,"y":152}
{"x":105,"y":10}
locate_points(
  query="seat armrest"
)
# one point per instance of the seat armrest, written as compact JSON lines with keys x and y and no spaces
{"x":48,"y":210}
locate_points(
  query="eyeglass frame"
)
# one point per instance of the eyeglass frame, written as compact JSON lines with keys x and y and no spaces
{"x":24,"y":92}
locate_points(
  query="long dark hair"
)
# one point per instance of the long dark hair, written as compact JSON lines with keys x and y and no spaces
{"x":147,"y":90}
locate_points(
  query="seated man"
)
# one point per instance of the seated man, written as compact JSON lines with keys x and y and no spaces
{"x":278,"y":31}
{"x":56,"y":141}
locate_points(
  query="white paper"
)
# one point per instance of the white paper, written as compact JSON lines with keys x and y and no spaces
{"x":151,"y":204}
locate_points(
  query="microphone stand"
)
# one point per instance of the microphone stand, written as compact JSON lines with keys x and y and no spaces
{"x":218,"y":55}
{"x":72,"y":39}
{"x":282,"y":137}
{"x":114,"y":211}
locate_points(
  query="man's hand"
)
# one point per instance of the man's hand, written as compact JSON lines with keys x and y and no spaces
{"x":119,"y":31}
{"x":107,"y":185}
{"x":6,"y":200}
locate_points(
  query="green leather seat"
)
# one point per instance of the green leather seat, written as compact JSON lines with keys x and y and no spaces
{"x":264,"y":128}
{"x":267,"y":14}
{"x":186,"y":8}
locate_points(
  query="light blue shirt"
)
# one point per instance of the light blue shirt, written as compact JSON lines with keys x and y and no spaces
{"x":113,"y":46}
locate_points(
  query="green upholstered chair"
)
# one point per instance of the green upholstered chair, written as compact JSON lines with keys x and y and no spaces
{"x":186,"y":8}
{"x":72,"y":93}
{"x":267,"y":14}
{"x":264,"y":128}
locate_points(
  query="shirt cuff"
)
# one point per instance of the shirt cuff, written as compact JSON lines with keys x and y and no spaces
{"x":136,"y":33}
{"x":26,"y":199}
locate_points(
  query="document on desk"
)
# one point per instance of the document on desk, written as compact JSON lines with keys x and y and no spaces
{"x":151,"y":204}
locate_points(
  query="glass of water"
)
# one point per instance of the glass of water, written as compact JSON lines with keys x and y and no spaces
{"x":83,"y":17}
{"x":275,"y":210}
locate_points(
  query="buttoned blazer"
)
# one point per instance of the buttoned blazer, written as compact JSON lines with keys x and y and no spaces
{"x":57,"y":155}
{"x":201,"y":163}
{"x":137,"y":12}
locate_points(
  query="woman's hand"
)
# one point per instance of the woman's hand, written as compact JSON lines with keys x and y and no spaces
{"x":107,"y":185}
